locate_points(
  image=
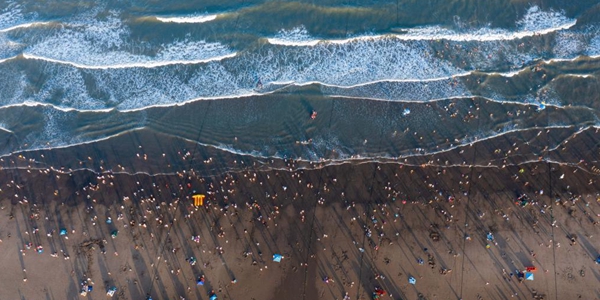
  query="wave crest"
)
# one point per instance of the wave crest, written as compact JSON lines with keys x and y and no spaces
{"x":103,"y":44}
{"x":188,"y":19}
{"x":534,"y":22}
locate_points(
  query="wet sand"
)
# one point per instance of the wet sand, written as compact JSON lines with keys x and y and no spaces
{"x":359,"y":225}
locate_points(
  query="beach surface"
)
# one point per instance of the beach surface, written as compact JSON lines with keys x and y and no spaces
{"x":343,"y":230}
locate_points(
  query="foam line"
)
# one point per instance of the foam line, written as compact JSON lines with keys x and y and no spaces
{"x":29,"y":103}
{"x":427,"y":34}
{"x":455,"y":76}
{"x":558,"y":60}
{"x":24,"y":25}
{"x":535,"y":22}
{"x":188,"y":19}
{"x":148,"y":64}
{"x":228,"y":97}
{"x":6,"y":130}
{"x":578,"y":75}
{"x":71,"y":145}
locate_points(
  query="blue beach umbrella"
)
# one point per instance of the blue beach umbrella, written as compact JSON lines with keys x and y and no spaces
{"x":277,"y":257}
{"x":412,"y":280}
{"x":528,"y":276}
{"x":213,"y":297}
{"x":63,"y":231}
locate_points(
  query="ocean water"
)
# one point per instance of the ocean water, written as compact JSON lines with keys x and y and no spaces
{"x":390,"y":80}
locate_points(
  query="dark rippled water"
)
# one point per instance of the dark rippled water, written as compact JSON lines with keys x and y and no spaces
{"x":389,"y":79}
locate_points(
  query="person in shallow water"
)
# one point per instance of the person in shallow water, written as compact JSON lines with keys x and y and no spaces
{"x":313,"y":115}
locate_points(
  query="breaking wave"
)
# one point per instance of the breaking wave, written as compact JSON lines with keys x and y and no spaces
{"x":188,"y":19}
{"x":535,"y":22}
{"x":104,"y":44}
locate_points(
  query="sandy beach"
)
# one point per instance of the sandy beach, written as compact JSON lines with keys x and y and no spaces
{"x":343,"y":231}
{"x":299,"y":150}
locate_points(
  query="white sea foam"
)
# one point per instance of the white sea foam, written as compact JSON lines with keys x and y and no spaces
{"x":132,"y":88}
{"x":29,"y":103}
{"x":102,"y":44}
{"x":127,"y":65}
{"x":10,"y":16}
{"x":4,"y":128}
{"x":569,"y":44}
{"x":8,"y":48}
{"x":298,"y":36}
{"x":90,"y":66}
{"x":419,"y":62}
{"x":579,"y":75}
{"x":593,"y":48}
{"x":73,"y":95}
{"x":535,"y":22}
{"x":13,"y":85}
{"x":351,"y":63}
{"x":536,"y":19}
{"x":508,"y":74}
{"x":188,"y":19}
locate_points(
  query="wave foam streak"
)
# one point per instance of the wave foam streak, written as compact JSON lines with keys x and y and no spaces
{"x":352,"y":63}
{"x":10,"y":16}
{"x":430,"y":90}
{"x":104,"y":44}
{"x":534,"y":22}
{"x":393,"y":69}
{"x":93,"y":65}
{"x":188,"y":19}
